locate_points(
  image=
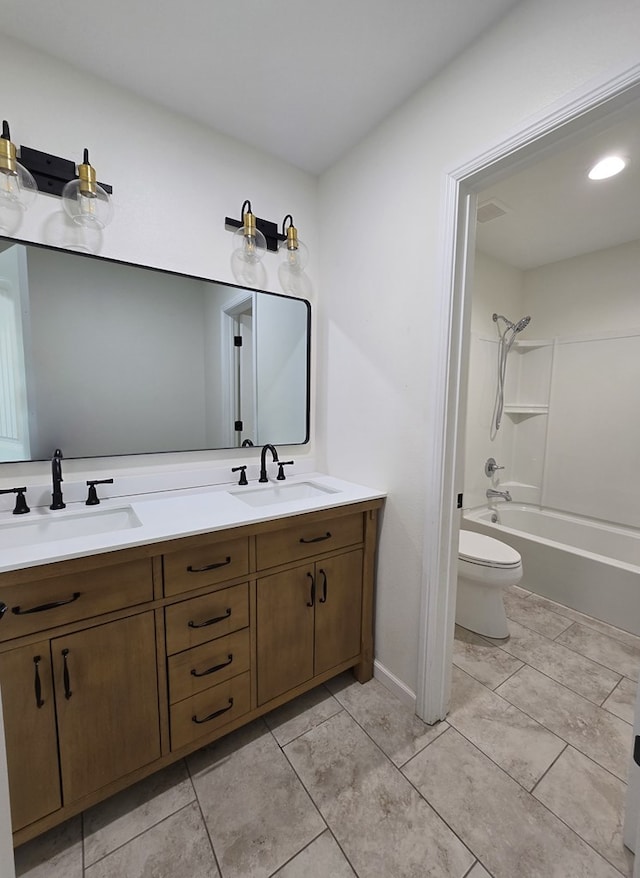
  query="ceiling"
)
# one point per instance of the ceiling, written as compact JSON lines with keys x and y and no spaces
{"x":302,"y":80}
{"x":554,"y":212}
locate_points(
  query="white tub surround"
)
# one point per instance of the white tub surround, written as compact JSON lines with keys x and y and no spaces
{"x":137,"y":520}
{"x":583,"y":563}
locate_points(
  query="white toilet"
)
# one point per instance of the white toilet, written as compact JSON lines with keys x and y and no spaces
{"x":486,"y":567}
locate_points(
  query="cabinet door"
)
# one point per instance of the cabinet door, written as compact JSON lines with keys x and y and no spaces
{"x":30,"y":729}
{"x":107,"y":700}
{"x":338,"y":610}
{"x":284,"y":631}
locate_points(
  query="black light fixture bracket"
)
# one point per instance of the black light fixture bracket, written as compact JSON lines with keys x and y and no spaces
{"x":51,"y":172}
{"x":268,"y":229}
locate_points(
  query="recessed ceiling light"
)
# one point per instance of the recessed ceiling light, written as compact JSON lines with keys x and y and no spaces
{"x":607,"y":167}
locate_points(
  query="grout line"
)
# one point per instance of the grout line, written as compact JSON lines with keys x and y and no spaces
{"x":548,"y":769}
{"x":204,"y":822}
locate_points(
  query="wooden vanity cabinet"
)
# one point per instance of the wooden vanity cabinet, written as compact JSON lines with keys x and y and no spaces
{"x":114,"y":666}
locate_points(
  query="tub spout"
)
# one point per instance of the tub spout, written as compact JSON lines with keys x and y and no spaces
{"x":504,"y":494}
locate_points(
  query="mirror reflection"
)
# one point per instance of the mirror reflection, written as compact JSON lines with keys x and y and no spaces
{"x":103,"y":358}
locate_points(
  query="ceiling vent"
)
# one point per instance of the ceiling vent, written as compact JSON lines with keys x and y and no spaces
{"x":490,"y":210}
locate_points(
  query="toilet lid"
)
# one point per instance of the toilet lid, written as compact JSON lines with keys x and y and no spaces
{"x":480,"y":549}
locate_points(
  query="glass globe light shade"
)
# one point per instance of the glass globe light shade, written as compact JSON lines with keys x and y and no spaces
{"x":87,"y":208}
{"x":296,"y":257}
{"x":18,"y":189}
{"x":249,"y":248}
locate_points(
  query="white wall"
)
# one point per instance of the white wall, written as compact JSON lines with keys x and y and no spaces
{"x":168,"y":215}
{"x":381,"y":220}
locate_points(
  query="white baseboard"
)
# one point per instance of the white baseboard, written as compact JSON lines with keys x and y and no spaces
{"x":391,"y":682}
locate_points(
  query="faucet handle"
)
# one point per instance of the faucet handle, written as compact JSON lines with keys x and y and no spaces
{"x":281,"y":464}
{"x":491,"y":466}
{"x":92,"y":496}
{"x":21,"y":501}
{"x":243,"y":474}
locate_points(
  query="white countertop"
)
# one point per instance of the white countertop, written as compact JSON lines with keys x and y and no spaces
{"x":162,"y":516}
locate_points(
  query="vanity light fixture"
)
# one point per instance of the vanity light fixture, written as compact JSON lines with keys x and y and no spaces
{"x":17,"y":186}
{"x":253,"y":235}
{"x":296,"y":252}
{"x":607,"y":167}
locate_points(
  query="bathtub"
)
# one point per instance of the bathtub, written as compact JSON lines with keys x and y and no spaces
{"x":585,"y":564}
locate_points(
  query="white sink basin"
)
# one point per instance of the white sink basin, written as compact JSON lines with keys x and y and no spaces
{"x":52,"y":526}
{"x":270,"y":494}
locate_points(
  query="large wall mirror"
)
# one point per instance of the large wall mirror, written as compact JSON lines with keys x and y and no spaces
{"x":101,"y":358}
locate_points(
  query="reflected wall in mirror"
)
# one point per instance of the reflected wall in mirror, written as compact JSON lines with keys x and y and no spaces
{"x":104,"y":358}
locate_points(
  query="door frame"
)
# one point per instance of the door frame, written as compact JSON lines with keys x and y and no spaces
{"x":583,"y":107}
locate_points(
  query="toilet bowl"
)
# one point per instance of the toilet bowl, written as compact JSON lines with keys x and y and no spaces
{"x":486,"y":567}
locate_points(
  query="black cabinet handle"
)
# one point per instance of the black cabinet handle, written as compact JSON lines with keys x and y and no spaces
{"x":212,"y":670}
{"x":211,"y":621}
{"x":224,"y":563}
{"x":213,"y":715}
{"x":3,"y":609}
{"x":37,"y":683}
{"x":324,"y":588}
{"x":20,"y":612}
{"x":67,"y":682}
{"x":327,"y":536}
{"x":311,"y":602}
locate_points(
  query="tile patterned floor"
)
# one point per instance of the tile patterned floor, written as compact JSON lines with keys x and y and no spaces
{"x":525,"y":779}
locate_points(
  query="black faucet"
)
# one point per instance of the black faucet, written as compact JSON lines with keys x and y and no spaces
{"x":263,"y":461}
{"x":56,"y":473}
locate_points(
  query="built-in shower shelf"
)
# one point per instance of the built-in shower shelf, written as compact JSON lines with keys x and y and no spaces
{"x":518,"y":411}
{"x":525,"y":345}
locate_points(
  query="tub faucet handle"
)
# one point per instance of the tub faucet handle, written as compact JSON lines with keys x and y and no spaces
{"x":491,"y":466}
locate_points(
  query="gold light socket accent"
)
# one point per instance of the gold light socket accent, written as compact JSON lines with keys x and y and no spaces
{"x":292,"y":238}
{"x":249,"y":221}
{"x":87,"y":176}
{"x":8,"y":162}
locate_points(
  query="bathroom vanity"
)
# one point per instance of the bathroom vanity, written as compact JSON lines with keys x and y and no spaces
{"x":122,"y":652}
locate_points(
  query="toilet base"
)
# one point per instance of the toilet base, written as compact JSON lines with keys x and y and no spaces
{"x":480,"y":609}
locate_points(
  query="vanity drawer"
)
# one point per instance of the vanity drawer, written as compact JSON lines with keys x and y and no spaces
{"x":216,"y":562}
{"x":204,"y":713}
{"x":199,"y":620}
{"x":303,"y":540}
{"x":197,"y":669}
{"x":47,"y":603}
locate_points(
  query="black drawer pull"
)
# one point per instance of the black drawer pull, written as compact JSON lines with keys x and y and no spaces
{"x":213,"y":715}
{"x":65,"y":676}
{"x":211,"y":621}
{"x":224,"y":563}
{"x":323,"y":599}
{"x":327,"y":536}
{"x":3,"y":609}
{"x":212,"y":670}
{"x":20,"y":612}
{"x":37,"y":683}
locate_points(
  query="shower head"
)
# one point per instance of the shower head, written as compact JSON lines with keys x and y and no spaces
{"x":515,"y":327}
{"x":522,"y":324}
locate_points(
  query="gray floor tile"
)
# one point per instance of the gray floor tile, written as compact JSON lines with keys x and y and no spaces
{"x":179,"y":846}
{"x":55,"y":854}
{"x":381,"y":823}
{"x":478,"y":871}
{"x":622,"y":700}
{"x":322,"y":859}
{"x":483,"y":660}
{"x":393,"y":726}
{"x":517,"y":743}
{"x":114,"y":822}
{"x":521,"y":609}
{"x":505,"y":826}
{"x":257,"y":811}
{"x":589,"y":621}
{"x":591,"y":801}
{"x":591,"y":729}
{"x":302,"y":714}
{"x":620,"y":657}
{"x":561,"y":663}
